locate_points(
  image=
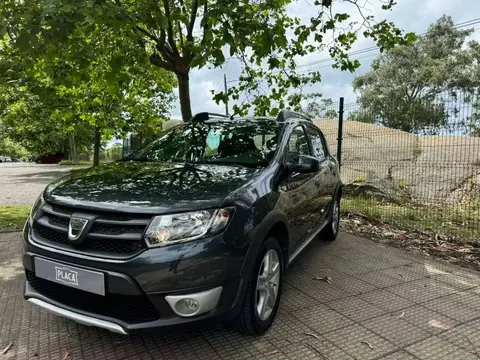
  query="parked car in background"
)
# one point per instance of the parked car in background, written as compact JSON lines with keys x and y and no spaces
{"x":49,"y":158}
{"x":199,"y":225}
{"x":5,"y":159}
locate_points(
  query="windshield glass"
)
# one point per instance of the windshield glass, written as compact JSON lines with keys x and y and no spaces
{"x":249,"y":143}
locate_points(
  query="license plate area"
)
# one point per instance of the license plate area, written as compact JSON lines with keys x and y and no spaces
{"x":72,"y":276}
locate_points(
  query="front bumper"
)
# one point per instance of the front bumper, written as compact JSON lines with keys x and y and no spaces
{"x":79,"y":318}
{"x":141,"y":292}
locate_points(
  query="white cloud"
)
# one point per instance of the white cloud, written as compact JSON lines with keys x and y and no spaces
{"x":410,"y":15}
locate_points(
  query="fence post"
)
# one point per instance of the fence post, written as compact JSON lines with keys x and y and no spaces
{"x":340,"y":132}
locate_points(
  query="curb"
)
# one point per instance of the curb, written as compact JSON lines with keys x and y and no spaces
{"x":10,"y":231}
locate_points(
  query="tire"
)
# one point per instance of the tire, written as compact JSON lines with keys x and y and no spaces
{"x":249,"y":320}
{"x":330,"y":232}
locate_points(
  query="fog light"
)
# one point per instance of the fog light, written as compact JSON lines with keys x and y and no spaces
{"x":187,"y":306}
{"x":192,"y":304}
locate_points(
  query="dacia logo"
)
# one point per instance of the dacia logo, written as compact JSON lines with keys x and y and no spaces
{"x":76,"y":227}
{"x":67,"y":276}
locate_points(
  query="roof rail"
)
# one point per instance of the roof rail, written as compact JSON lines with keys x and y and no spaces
{"x":284,"y":115}
{"x":204,"y":116}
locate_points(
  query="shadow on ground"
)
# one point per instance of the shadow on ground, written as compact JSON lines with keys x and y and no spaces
{"x":382,"y":302}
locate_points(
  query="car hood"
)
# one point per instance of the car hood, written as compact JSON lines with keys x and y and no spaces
{"x":148,"y":187}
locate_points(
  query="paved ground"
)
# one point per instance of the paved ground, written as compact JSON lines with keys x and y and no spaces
{"x":21,"y":183}
{"x":382,"y":303}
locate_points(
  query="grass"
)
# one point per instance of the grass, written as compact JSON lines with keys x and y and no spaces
{"x":79,"y":168}
{"x":80,"y":162}
{"x":75,"y":162}
{"x":360,"y":180}
{"x":462,"y":220}
{"x":13,"y":217}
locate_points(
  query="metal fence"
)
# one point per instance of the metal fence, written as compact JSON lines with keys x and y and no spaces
{"x":413,"y":165}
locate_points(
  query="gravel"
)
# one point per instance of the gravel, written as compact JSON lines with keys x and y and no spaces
{"x":21,"y":183}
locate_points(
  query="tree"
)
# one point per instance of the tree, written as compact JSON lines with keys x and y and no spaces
{"x":11,"y":148}
{"x":404,"y":89}
{"x":473,"y":121}
{"x":64,"y":97}
{"x":316,"y":106}
{"x":180,"y":35}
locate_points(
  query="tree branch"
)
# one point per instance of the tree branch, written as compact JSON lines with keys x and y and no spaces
{"x":147,"y":33}
{"x":163,"y":48}
{"x":171,"y":40}
{"x":193,"y":17}
{"x":182,"y":46}
{"x":182,"y":4}
{"x":156,"y":60}
{"x":205,"y":28}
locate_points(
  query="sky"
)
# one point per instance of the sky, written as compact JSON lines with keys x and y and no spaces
{"x":409,"y":15}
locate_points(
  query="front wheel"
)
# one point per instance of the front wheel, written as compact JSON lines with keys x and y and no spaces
{"x":263,"y":294}
{"x":330,"y":232}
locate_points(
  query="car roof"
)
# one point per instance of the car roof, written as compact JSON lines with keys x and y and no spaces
{"x":283,"y":117}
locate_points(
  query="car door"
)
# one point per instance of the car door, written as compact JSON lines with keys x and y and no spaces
{"x":325,"y":180}
{"x":298,"y":190}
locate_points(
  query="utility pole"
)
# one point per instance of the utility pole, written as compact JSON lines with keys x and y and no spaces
{"x":226,"y":94}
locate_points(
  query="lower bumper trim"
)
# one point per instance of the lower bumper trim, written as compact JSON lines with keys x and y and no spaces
{"x":79,"y":318}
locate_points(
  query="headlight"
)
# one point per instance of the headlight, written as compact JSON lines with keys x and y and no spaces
{"x":178,"y":228}
{"x":36,"y":206}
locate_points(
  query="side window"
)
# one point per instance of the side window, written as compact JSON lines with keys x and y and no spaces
{"x":297,"y":145}
{"x":316,"y":140}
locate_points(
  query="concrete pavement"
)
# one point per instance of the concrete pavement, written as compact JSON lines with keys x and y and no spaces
{"x":382,"y":303}
{"x":21,"y":183}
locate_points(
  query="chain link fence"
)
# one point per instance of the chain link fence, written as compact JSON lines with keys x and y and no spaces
{"x":412,"y":165}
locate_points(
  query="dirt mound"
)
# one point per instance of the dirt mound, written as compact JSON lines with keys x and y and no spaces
{"x":430,"y":168}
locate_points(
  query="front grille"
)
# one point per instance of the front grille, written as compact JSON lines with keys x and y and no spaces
{"x":56,"y":220}
{"x":112,"y":246}
{"x":111,"y":235}
{"x":52,"y":235}
{"x":131,"y":309}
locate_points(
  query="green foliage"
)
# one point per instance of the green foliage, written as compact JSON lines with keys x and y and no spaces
{"x":361,"y":116}
{"x":314,"y":105}
{"x":360,"y":179}
{"x":473,"y":122}
{"x":180,"y":35}
{"x":403,"y":89}
{"x":113,"y":153}
{"x":56,"y":89}
{"x":12,"y":149}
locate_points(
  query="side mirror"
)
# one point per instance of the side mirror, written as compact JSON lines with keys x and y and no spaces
{"x":306,"y":164}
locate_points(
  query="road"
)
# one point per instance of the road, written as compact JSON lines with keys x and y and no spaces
{"x":21,"y":183}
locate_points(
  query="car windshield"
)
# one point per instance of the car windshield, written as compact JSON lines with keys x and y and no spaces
{"x":247,"y":143}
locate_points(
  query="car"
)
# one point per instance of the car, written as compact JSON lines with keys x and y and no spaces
{"x":5,"y":159}
{"x":49,"y":158}
{"x":196,"y":227}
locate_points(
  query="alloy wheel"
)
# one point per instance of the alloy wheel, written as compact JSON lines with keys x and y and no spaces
{"x":268,"y":282}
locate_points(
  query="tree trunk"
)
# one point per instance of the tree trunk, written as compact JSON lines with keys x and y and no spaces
{"x":184,"y":95}
{"x":96,"y":147}
{"x":72,"y":149}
